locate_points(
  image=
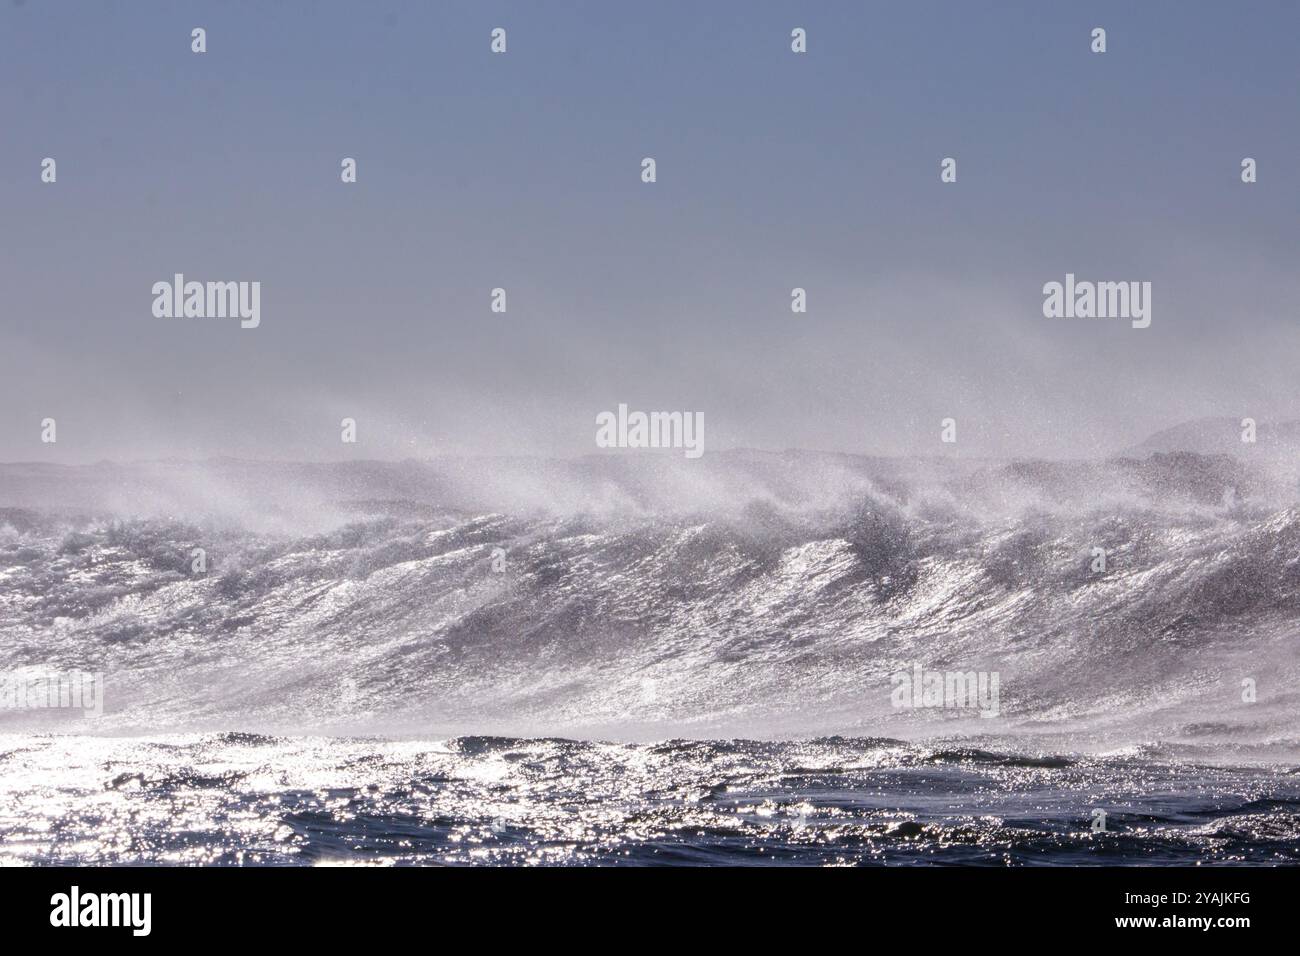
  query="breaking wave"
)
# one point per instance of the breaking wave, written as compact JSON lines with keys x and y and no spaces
{"x":745,"y":595}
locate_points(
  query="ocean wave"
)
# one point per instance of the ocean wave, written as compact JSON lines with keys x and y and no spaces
{"x":781,"y":608}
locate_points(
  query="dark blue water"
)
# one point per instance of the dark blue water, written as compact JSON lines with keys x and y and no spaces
{"x":246,"y":799}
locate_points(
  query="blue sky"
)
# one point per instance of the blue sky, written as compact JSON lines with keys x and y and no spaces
{"x":522,"y":170}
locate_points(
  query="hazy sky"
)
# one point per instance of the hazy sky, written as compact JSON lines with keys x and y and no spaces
{"x":522,"y":170}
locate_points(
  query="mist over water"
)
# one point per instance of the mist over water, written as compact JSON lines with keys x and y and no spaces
{"x":745,"y":595}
